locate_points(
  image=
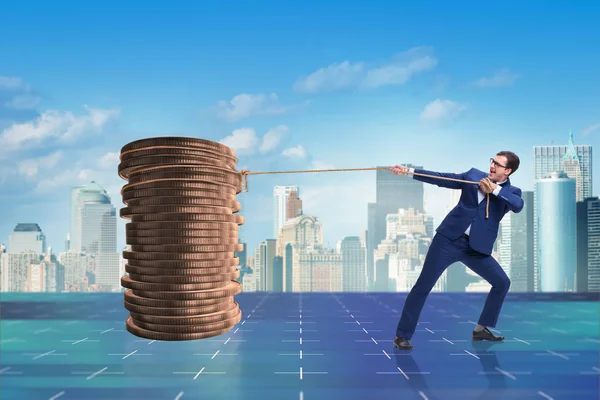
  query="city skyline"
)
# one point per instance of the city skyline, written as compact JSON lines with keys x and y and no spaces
{"x":96,"y":201}
{"x":436,"y":204}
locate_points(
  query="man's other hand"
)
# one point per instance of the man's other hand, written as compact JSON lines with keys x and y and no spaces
{"x":486,"y":185}
{"x":399,"y":169}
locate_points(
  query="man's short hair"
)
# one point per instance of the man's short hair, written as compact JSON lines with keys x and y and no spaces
{"x":512,"y":160}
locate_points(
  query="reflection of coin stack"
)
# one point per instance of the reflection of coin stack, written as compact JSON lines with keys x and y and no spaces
{"x":181,"y":200}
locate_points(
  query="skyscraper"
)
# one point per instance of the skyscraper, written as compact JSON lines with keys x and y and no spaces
{"x":95,"y":225}
{"x":515,"y":246}
{"x":293,"y":205}
{"x":575,"y":161}
{"x":557,"y":240}
{"x":15,"y":272}
{"x":300,"y":235}
{"x":27,"y":237}
{"x":267,"y":255}
{"x":393,"y":192}
{"x":280,"y":197}
{"x":588,"y":245}
{"x":354,"y":268}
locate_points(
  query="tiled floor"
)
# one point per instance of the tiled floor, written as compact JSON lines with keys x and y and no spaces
{"x":303,"y":346}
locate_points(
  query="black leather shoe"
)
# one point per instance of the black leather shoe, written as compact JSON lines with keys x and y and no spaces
{"x":401,"y":343}
{"x":486,"y":334}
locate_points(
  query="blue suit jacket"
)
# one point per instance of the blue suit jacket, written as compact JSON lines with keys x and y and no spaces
{"x":469,"y":211}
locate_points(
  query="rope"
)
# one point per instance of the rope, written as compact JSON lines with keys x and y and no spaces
{"x":245,"y":174}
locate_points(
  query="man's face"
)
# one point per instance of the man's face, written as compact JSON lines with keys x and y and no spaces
{"x":498,"y":170}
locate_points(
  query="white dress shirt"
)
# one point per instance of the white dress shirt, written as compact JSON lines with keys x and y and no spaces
{"x":481,"y":196}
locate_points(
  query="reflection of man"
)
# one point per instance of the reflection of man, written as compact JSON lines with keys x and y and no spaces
{"x":466,"y":235}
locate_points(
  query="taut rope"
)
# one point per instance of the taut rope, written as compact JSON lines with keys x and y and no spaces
{"x":245,"y":174}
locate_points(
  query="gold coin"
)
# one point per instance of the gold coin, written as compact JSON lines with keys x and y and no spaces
{"x":179,"y":193}
{"x":184,"y":201}
{"x":144,"y":255}
{"x":145,"y":210}
{"x":129,"y":283}
{"x":128,"y":166}
{"x":199,"y":319}
{"x":174,"y":151}
{"x":187,"y":217}
{"x":150,"y":273}
{"x":168,"y":240}
{"x":184,"y":279}
{"x":165,"y":336}
{"x":187,"y":248}
{"x":208,"y":327}
{"x":181,"y":184}
{"x":201,"y":265}
{"x":166,"y":303}
{"x":232,"y":288}
{"x":183,"y":226}
{"x":177,"y":141}
{"x":177,"y":311}
{"x":176,"y":233}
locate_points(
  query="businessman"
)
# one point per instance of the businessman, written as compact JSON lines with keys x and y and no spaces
{"x":466,"y":235}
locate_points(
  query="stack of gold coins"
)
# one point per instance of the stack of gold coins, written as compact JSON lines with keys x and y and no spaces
{"x":182,"y":270}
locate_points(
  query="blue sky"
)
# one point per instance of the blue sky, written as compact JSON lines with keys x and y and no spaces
{"x":289,"y":85}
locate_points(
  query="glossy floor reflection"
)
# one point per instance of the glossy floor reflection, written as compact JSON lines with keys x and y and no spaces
{"x":303,"y":346}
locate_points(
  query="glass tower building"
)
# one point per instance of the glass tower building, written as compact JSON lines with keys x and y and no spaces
{"x":557,"y":232}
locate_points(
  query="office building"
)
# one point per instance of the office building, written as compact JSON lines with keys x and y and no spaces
{"x":95,"y":233}
{"x":588,"y":245}
{"x":293,"y":205}
{"x":393,"y":192}
{"x":280,"y":199}
{"x":354,"y":267}
{"x":515,"y":246}
{"x":27,"y":237}
{"x":557,"y":240}
{"x":575,"y":161}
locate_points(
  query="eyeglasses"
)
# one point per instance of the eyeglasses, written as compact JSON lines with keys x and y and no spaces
{"x":492,"y":161}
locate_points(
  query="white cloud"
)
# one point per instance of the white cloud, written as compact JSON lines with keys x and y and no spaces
{"x":31,"y":167}
{"x":23,"y":102}
{"x":53,"y":124}
{"x":334,"y":77}
{"x":89,"y":167}
{"x":401,"y":69}
{"x":10,"y":82}
{"x":249,"y":105}
{"x":346,"y":75}
{"x":16,"y":94}
{"x":243,"y":141}
{"x":590,"y":129}
{"x":440,"y":109}
{"x":109,"y":160}
{"x":54,"y":173}
{"x":295,"y":152}
{"x":501,"y":78}
{"x":273,"y":138}
{"x":65,"y":178}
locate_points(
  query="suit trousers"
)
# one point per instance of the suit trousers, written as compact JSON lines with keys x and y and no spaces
{"x":442,"y":253}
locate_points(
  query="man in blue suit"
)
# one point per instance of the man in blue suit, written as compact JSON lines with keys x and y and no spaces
{"x":466,"y":235}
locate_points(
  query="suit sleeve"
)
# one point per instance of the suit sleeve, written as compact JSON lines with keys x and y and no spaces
{"x":440,"y":182}
{"x":512,"y":198}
